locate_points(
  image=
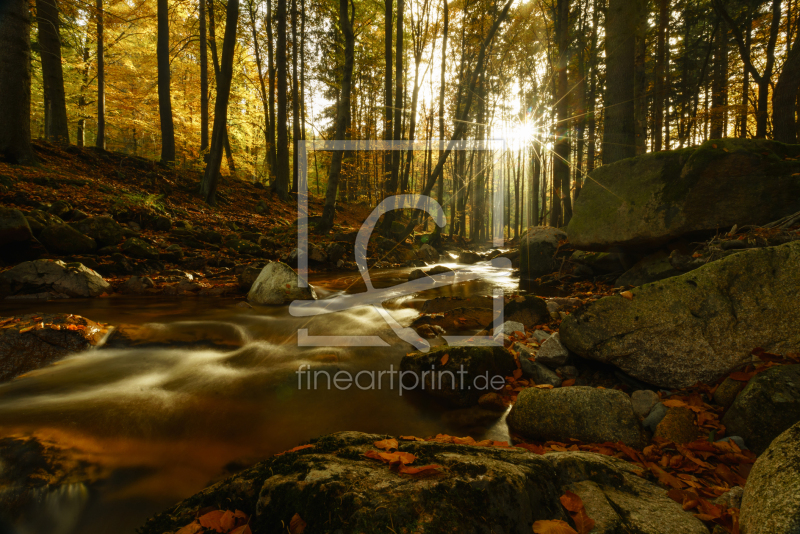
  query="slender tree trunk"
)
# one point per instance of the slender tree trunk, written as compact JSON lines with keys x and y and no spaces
{"x":208,"y":186}
{"x":398,"y":99}
{"x":213,"y":44}
{"x":719,"y":84}
{"x":640,"y":89}
{"x":591,"y":149}
{"x":55,"y":106}
{"x":271,"y":68}
{"x":203,"y":79}
{"x":446,"y":23}
{"x":15,"y":83}
{"x":561,"y":162}
{"x":262,"y":86}
{"x":784,"y":97}
{"x":81,"y":134}
{"x":281,"y":184}
{"x":100,"y":142}
{"x":164,"y":98}
{"x":661,"y":66}
{"x":295,"y":98}
{"x":745,"y":79}
{"x":342,"y":117}
{"x":619,"y":131}
{"x":388,"y":115}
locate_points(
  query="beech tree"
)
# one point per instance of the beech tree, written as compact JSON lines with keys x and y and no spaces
{"x":15,"y":82}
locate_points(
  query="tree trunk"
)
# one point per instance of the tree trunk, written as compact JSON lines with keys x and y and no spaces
{"x":561,"y":163}
{"x":213,"y":43}
{"x":719,"y":84}
{"x":342,"y":117}
{"x":440,"y":195}
{"x":784,"y":97}
{"x":15,"y":83}
{"x":746,"y":80}
{"x":387,"y":99}
{"x":81,"y":134}
{"x":203,"y":79}
{"x":273,"y":158}
{"x":164,"y":97}
{"x":262,"y":86}
{"x":295,"y":98}
{"x":640,"y":90}
{"x":281,"y":183}
{"x":55,"y":107}
{"x":619,"y":132}
{"x":398,"y":100}
{"x":208,"y":186}
{"x":100,"y":142}
{"x":661,"y":67}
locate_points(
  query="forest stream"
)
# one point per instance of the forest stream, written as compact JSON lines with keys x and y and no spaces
{"x":210,"y":386}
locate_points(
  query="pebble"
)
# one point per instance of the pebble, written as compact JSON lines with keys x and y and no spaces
{"x":552,"y":353}
{"x":643,"y":401}
{"x":509,"y":327}
{"x":736,"y":439}
{"x":655,"y":416}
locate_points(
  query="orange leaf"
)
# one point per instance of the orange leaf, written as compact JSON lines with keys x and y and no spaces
{"x":244,"y":529}
{"x":411,"y":438}
{"x":227,"y":521}
{"x":552,"y":526}
{"x":387,"y":444}
{"x":192,"y":528}
{"x":517,"y":374}
{"x":543,"y":386}
{"x":445,"y":358}
{"x":567,"y":383}
{"x":298,"y":448}
{"x":424,"y":470}
{"x":571,"y":501}
{"x":297,"y":525}
{"x":741,"y":377}
{"x":211,"y":520}
{"x":626,"y":294}
{"x":674,"y":403}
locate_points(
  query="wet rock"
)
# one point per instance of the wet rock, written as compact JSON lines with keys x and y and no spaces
{"x":104,"y":230}
{"x":335,"y":252}
{"x":658,"y":197}
{"x":656,"y":415}
{"x":727,"y":391}
{"x":430,"y":331}
{"x":540,"y":336}
{"x":316,"y":253}
{"x":537,"y":249}
{"x":650,"y":269}
{"x":38,"y":220}
{"x":416,"y":274}
{"x":678,"y":425}
{"x":538,"y":373}
{"x":552,"y":353}
{"x":278,"y":284}
{"x":468,"y":372}
{"x":469,"y":258}
{"x":476,"y":490}
{"x":509,"y":327}
{"x":580,"y":412}
{"x":439,"y":269}
{"x":771,"y":499}
{"x":60,"y":208}
{"x":64,"y":239}
{"x":139,"y":248}
{"x":769,"y":405}
{"x":643,"y":401}
{"x":32,"y":341}
{"x":248,"y":277}
{"x":527,"y":310}
{"x":137,"y":285}
{"x":70,"y":279}
{"x":492,"y":401}
{"x":698,"y":326}
{"x":428,"y":254}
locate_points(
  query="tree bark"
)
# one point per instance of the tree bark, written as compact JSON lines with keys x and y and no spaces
{"x":213,"y":43}
{"x":295,"y":97}
{"x":55,"y":107}
{"x":15,"y":83}
{"x":719,"y":84}
{"x":387,"y":98}
{"x":164,"y":97}
{"x":619,"y":132}
{"x":342,"y":117}
{"x":262,"y":86}
{"x":561,"y":162}
{"x":203,"y":79}
{"x":661,"y":66}
{"x":281,"y":183}
{"x":208,"y":186}
{"x":100,"y":141}
{"x":446,"y":23}
{"x":784,"y":97}
{"x":273,"y":158}
{"x":81,"y":133}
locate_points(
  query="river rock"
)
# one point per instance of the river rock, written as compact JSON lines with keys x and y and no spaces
{"x":652,"y":199}
{"x":60,"y":208}
{"x":248,"y":277}
{"x":469,"y":258}
{"x":601,"y":262}
{"x":64,"y":239}
{"x":139,"y":248}
{"x":32,"y":341}
{"x":656,"y":415}
{"x":650,"y":269}
{"x":105,"y":230}
{"x":527,"y":310}
{"x":580,"y":412}
{"x":70,"y":279}
{"x":727,"y":391}
{"x":137,"y":285}
{"x":416,"y":274}
{"x":538,"y":372}
{"x":771,"y":499}
{"x":17,"y":242}
{"x":277,"y":284}
{"x":697,"y":326}
{"x":475,"y":490}
{"x":537,"y":251}
{"x":678,"y":426}
{"x":769,"y":405}
{"x":643,"y":401}
{"x":552,"y":353}
{"x":509,"y":327}
{"x":482,"y":369}
{"x":428,"y":254}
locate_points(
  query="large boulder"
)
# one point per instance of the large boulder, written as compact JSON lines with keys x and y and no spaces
{"x":16,"y":237}
{"x":139,"y":248}
{"x":64,"y":239}
{"x":42,"y":276}
{"x":766,"y":407}
{"x":458,"y":375}
{"x":652,"y":199}
{"x":428,"y":254}
{"x":105,"y":230}
{"x":277,"y":284}
{"x":698,"y":326}
{"x":771,"y":500}
{"x":474,"y":489}
{"x":32,"y":341}
{"x":537,"y":251}
{"x":589,"y":414}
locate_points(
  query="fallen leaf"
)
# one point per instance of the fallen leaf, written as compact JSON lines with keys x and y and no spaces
{"x":626,"y":294}
{"x":387,"y":444}
{"x":227,"y":521}
{"x":552,"y":526}
{"x":411,"y":438}
{"x":295,"y":449}
{"x":444,"y":359}
{"x":543,"y":386}
{"x":297,"y":525}
{"x":211,"y":520}
{"x":567,"y":383}
{"x":192,"y":528}
{"x":244,"y":529}
{"x":424,"y":470}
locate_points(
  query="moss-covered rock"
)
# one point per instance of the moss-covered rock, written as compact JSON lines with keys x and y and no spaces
{"x":64,"y":239}
{"x":467,"y":373}
{"x":697,"y":326}
{"x":139,"y":248}
{"x":769,"y":405}
{"x":589,"y":414}
{"x":105,"y":230}
{"x":334,"y":488}
{"x":537,"y":251}
{"x":651,"y":199}
{"x":650,"y":269}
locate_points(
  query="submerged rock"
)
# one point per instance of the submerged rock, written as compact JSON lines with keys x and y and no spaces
{"x":42,"y":276}
{"x":698,"y":326}
{"x":333,"y":487}
{"x":278,"y":284}
{"x":589,"y":414}
{"x":771,"y":499}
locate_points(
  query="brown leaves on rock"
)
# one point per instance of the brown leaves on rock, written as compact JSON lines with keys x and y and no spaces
{"x":295,"y":449}
{"x":574,"y":505}
{"x":221,"y":521}
{"x":552,"y":526}
{"x":400,"y":460}
{"x":297,"y":525}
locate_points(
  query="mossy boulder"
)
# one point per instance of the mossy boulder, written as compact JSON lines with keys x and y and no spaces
{"x":650,"y":269}
{"x":477,"y":365}
{"x":698,"y":326}
{"x":769,"y":405}
{"x":139,"y":248}
{"x":589,"y":414}
{"x":105,"y":230}
{"x":537,"y":250}
{"x":277,"y":284}
{"x":333,"y":487}
{"x":64,"y":239}
{"x":654,"y":198}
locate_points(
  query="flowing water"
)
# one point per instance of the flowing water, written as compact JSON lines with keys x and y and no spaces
{"x":208,"y":386}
